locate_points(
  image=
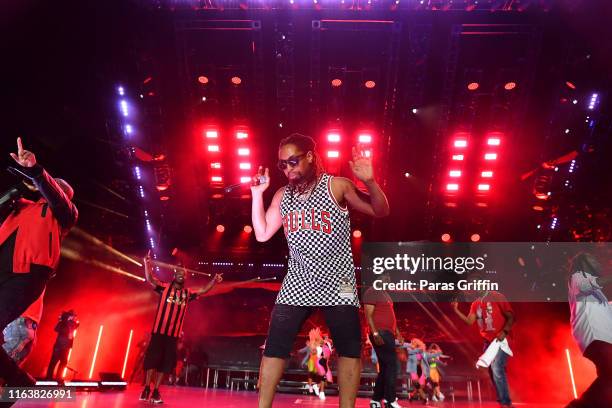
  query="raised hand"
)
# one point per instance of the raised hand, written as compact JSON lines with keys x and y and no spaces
{"x":24,"y":158}
{"x":256,"y":187}
{"x":147,"y":257}
{"x":361,"y":165}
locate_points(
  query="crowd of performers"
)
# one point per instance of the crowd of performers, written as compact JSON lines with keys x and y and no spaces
{"x":421,"y":364}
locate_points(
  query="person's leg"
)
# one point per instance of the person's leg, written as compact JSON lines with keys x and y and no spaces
{"x":17,"y":293}
{"x":52,"y":363}
{"x":500,"y":380}
{"x":158,"y":379}
{"x":345,"y":329}
{"x":63,"y":361}
{"x":387,"y":357}
{"x":149,"y":377}
{"x":285,"y":323}
{"x":379,"y":386}
{"x":16,"y":338}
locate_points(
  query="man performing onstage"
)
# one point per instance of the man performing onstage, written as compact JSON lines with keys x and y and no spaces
{"x":65,"y":328}
{"x":495,"y":319}
{"x":312,"y":208}
{"x":380,"y":317}
{"x":160,"y":357}
{"x":30,"y":240}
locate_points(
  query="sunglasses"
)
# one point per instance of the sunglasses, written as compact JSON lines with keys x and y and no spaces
{"x":292,"y":161}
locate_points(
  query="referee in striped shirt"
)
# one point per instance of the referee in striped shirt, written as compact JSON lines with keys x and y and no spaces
{"x":160,"y":357}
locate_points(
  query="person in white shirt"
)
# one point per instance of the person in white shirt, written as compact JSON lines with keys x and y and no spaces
{"x":591,"y":321}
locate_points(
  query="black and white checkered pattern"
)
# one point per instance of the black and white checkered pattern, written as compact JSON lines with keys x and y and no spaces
{"x":319,"y":262}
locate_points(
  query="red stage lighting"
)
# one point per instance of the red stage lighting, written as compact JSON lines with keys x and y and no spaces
{"x":245,"y":166}
{"x":356,"y":234}
{"x":458,"y":157}
{"x":215,"y":165}
{"x":455,"y":173}
{"x":365,"y":138}
{"x":486,"y":174}
{"x":213,"y":148}
{"x":510,"y":86}
{"x":216,"y":179}
{"x":570,"y":85}
{"x":248,"y":229}
{"x":452,"y":187}
{"x":220,"y":228}
{"x":174,"y":251}
{"x":460,"y":143}
{"x":370,"y":84}
{"x":475,"y":237}
{"x":236,"y":80}
{"x":336,"y":82}
{"x":211,"y":134}
{"x":494,"y":141}
{"x":245,"y":179}
{"x":333,"y":154}
{"x":333,"y":137}
{"x":446,"y":237}
{"x":244,"y":151}
{"x":490,"y":156}
{"x":367,"y":153}
{"x":202,"y":79}
{"x":241,"y":134}
{"x":164,"y":198}
{"x":484,"y":187}
{"x":472,"y":86}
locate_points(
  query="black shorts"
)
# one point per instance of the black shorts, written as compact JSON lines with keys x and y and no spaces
{"x":161,"y":354}
{"x":286,"y":321}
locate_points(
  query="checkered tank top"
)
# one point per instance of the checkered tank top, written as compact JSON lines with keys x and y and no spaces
{"x":320,"y":269}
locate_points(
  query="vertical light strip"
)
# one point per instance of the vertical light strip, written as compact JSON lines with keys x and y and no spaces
{"x":93,"y":361}
{"x":571,"y":371}
{"x":127,"y":352}
{"x":69,"y":354}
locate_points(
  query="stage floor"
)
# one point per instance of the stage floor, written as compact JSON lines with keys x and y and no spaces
{"x":193,"y":397}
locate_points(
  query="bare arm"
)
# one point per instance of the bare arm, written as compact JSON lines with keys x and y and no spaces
{"x":218,"y":278}
{"x":266,"y":223}
{"x":148,"y":274}
{"x":369,"y":311}
{"x":374,"y":204}
{"x":469,"y":319}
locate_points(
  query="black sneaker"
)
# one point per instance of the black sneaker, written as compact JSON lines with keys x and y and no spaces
{"x":145,"y":394}
{"x":156,"y":398}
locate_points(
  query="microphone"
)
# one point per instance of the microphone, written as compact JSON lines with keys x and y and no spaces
{"x":230,"y":188}
{"x":10,"y":195}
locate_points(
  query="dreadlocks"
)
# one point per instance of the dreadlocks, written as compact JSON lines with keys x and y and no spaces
{"x":305,"y":144}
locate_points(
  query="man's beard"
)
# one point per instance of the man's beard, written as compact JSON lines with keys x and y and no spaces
{"x":303,"y":180}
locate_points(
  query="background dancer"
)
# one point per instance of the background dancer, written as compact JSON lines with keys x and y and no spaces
{"x":65,"y":328}
{"x":495,"y":319}
{"x":160,"y":357}
{"x":313,"y":210}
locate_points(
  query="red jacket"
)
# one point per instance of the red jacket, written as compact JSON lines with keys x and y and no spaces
{"x":39,"y":226}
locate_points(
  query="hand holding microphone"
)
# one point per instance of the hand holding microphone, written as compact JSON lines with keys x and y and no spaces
{"x":260,"y":181}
